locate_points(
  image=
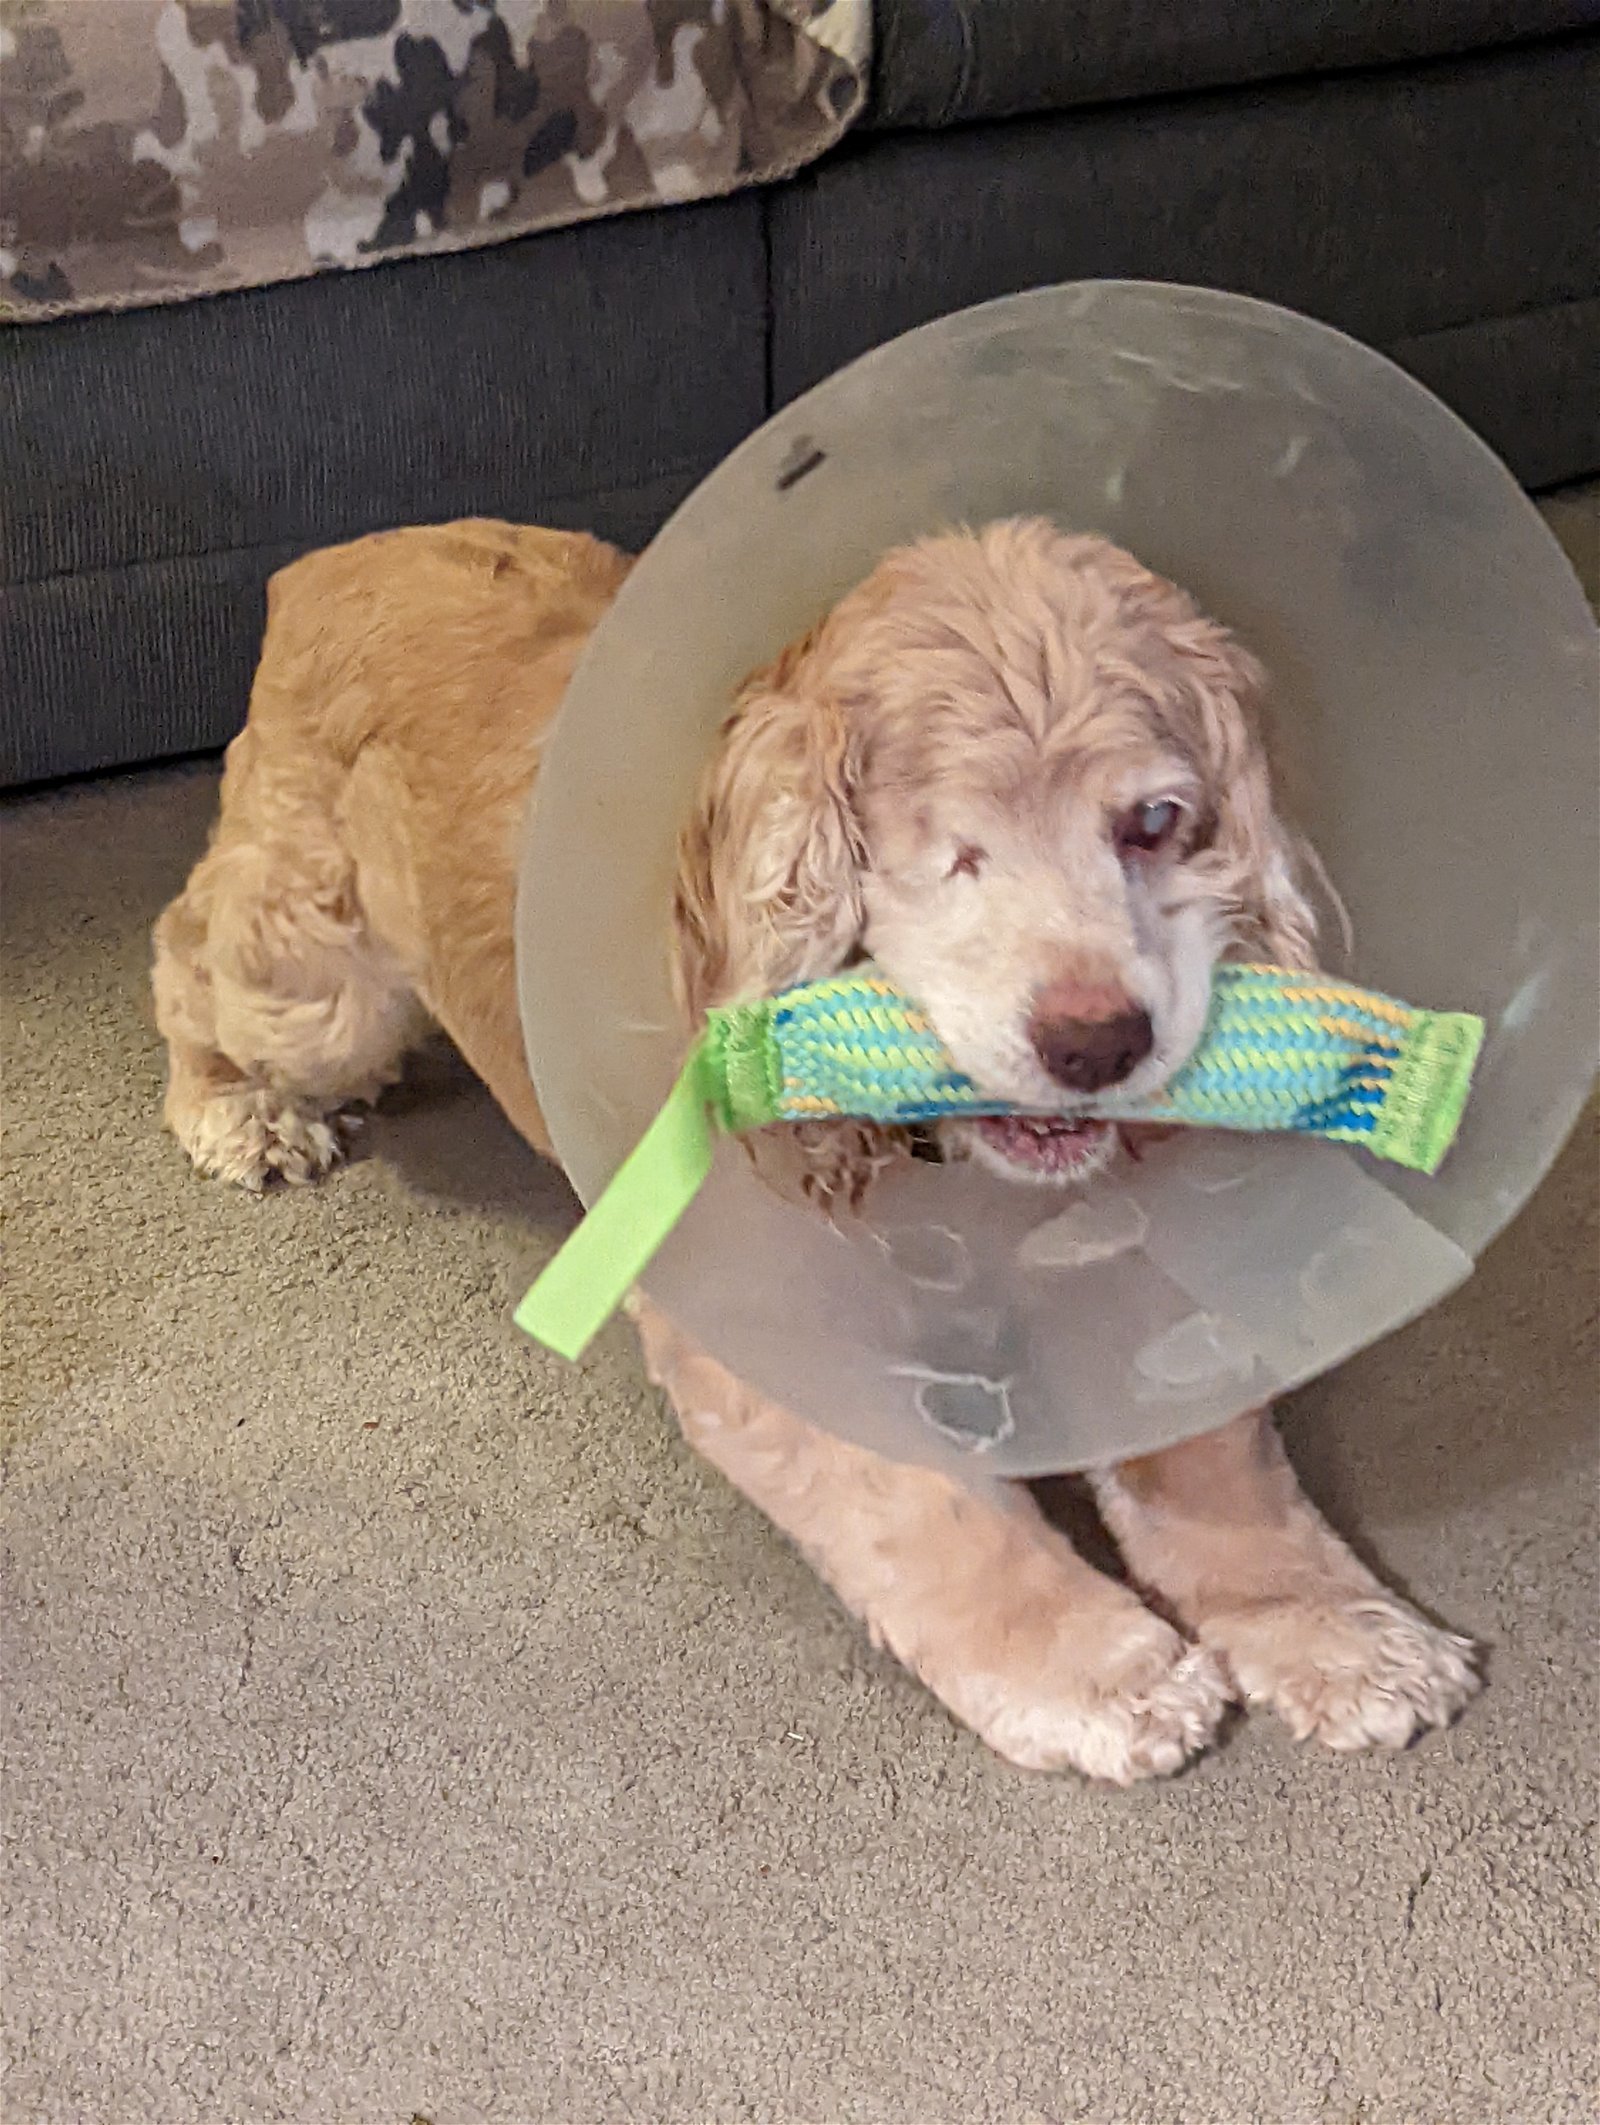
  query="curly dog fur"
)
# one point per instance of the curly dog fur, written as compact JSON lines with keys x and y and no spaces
{"x":1026,"y":774}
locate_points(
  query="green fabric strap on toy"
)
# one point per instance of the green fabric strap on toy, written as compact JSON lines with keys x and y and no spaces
{"x":1281,"y":1051}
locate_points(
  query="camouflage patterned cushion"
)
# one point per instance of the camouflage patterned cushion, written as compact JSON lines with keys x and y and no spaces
{"x":152,"y":150}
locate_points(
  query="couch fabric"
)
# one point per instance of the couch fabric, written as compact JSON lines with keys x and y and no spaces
{"x":166,"y":462}
{"x":949,"y":62}
{"x":161,"y":463}
{"x":1396,"y":205}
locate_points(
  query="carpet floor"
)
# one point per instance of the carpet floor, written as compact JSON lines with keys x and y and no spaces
{"x":400,"y":1727}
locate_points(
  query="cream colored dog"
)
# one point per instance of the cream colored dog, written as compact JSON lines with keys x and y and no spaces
{"x":1022,"y":773}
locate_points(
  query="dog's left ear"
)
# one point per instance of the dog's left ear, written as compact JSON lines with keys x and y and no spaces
{"x":768,"y":890}
{"x":768,"y":894}
{"x":1256,"y":857}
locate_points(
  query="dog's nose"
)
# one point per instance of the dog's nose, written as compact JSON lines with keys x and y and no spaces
{"x":1087,"y":1054}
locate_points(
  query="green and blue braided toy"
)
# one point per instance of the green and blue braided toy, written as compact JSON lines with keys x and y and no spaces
{"x":1281,"y":1051}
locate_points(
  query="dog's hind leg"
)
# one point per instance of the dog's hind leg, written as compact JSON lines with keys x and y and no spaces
{"x":278,"y":1005}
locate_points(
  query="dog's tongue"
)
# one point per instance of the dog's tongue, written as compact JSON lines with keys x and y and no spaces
{"x":1042,"y":1143}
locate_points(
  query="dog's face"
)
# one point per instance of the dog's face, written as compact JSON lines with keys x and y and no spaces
{"x":1021,"y":773}
{"x":1048,"y":913}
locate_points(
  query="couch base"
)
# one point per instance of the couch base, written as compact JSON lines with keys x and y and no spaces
{"x":165,"y":463}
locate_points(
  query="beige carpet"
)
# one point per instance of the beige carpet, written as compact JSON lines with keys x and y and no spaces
{"x":400,"y":1727}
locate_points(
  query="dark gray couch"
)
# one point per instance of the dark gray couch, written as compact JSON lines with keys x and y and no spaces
{"x":1422,"y":175}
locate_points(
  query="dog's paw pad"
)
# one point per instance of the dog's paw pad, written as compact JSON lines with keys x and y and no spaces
{"x":1141,"y":1710}
{"x":1360,"y":1674}
{"x":253,"y":1136}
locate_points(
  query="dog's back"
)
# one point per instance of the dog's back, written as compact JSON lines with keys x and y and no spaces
{"x":438,"y":638}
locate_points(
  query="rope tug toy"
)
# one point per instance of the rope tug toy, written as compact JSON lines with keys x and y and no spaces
{"x":1281,"y":1051}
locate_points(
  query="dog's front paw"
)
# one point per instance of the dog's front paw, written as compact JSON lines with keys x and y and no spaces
{"x":1138,"y":1705}
{"x":1362,"y":1672}
{"x":253,"y":1135}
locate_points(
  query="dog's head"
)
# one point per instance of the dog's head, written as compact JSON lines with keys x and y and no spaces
{"x":1023,"y":774}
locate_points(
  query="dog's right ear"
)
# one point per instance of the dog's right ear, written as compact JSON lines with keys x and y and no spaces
{"x":769,"y":867}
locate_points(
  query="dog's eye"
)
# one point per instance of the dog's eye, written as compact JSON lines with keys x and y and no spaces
{"x":1146,"y":828}
{"x":969,"y":861}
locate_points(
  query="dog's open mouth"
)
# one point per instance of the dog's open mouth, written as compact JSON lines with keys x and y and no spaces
{"x":1050,"y":1147}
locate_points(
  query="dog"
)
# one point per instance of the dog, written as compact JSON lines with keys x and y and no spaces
{"x":1026,"y":776}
